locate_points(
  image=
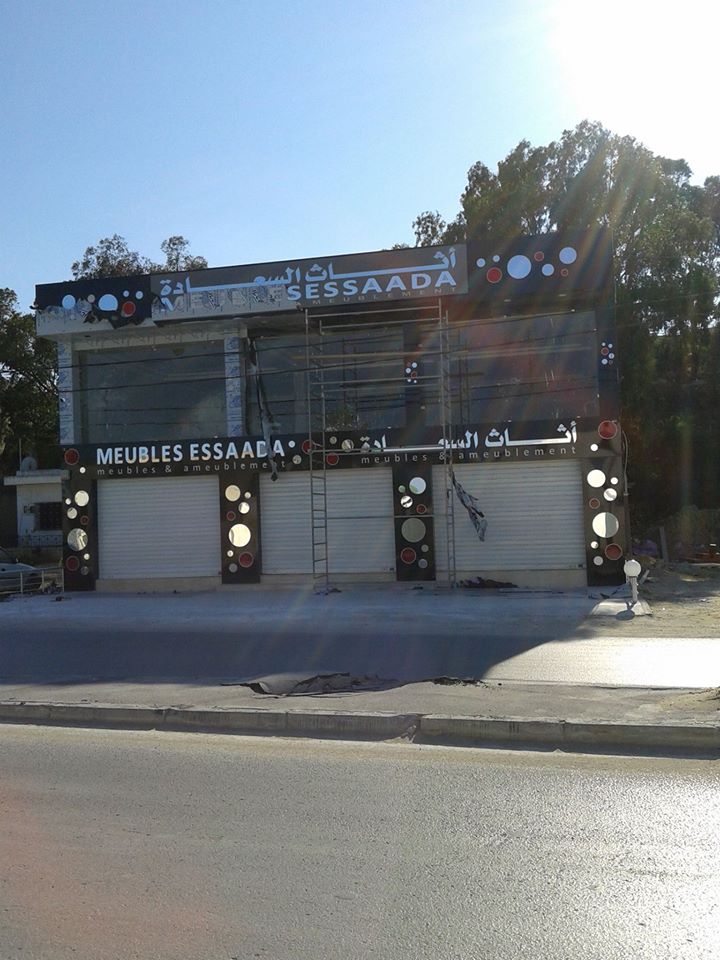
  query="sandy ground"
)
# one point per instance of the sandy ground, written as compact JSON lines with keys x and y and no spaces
{"x":684,"y":599}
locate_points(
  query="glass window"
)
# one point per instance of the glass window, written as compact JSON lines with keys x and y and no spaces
{"x":172,"y":392}
{"x":363,"y":381}
{"x":527,"y":368}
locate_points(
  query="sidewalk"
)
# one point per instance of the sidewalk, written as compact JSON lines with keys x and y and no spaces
{"x":548,"y":716}
{"x":177,"y":662}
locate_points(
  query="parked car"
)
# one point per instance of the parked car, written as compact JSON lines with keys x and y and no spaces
{"x":16,"y":577}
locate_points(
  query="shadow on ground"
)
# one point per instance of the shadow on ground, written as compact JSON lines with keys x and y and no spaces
{"x":387,"y":634}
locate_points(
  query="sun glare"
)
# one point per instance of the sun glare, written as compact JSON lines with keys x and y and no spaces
{"x":642,"y":68}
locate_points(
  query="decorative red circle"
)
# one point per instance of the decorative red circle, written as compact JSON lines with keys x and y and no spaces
{"x":306,"y":446}
{"x":408,"y":555}
{"x":84,"y":521}
{"x":608,"y":429}
{"x":71,"y":457}
{"x":230,"y":515}
{"x":421,"y":508}
{"x":539,"y":256}
{"x":604,"y":351}
{"x":563,"y":272}
{"x":246,"y":560}
{"x":127,"y":309}
{"x":332,"y":459}
{"x":494,"y":275}
{"x":613,"y":551}
{"x":594,"y":503}
{"x":72,"y":564}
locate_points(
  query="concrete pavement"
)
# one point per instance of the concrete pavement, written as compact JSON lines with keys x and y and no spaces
{"x":175,"y":662}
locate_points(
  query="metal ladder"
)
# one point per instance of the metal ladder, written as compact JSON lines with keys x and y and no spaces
{"x":447,"y":433}
{"x":318,"y":470}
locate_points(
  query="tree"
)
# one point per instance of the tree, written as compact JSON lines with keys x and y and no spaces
{"x":28,"y":388}
{"x":666,"y":234}
{"x":111,"y":257}
{"x":178,"y":256}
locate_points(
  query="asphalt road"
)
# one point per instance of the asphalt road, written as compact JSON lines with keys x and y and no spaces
{"x":119,"y":845}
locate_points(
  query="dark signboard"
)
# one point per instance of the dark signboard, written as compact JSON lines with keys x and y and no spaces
{"x":282,"y":286}
{"x":324,"y":282}
{"x":106,"y":304}
{"x":546,"y":265}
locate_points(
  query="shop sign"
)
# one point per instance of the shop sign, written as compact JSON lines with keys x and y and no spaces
{"x":168,"y":298}
{"x":510,"y":442}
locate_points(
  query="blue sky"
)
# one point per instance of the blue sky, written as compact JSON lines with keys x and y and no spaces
{"x":266,"y":130}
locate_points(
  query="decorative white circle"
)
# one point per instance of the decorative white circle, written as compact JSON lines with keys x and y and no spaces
{"x":610,"y":494}
{"x":82,"y":498}
{"x":611,"y":356}
{"x":333,"y":439}
{"x":414,"y":365}
{"x":614,"y":481}
{"x":108,"y":302}
{"x":291,"y":444}
{"x":406,"y":501}
{"x":68,"y":301}
{"x":519,"y":266}
{"x":68,"y":500}
{"x":297,"y":458}
{"x":138,"y":295}
{"x":231,"y":553}
{"x":244,"y":507}
{"x":232,"y":493}
{"x":594,"y":544}
{"x":82,"y":470}
{"x":548,"y":269}
{"x":417,"y":485}
{"x":605,"y":525}
{"x":425,"y":548}
{"x":248,"y":495}
{"x":86,"y":556}
{"x":413,"y":530}
{"x":568,"y":255}
{"x":496,"y":258}
{"x":422,"y":563}
{"x":594,"y":447}
{"x":239,"y":535}
{"x":91,"y":298}
{"x":72,"y":513}
{"x":408,"y":370}
{"x":232,"y":567}
{"x":598,"y":561}
{"x":126,"y":293}
{"x":77,"y":539}
{"x":596,"y":478}
{"x":480,"y":262}
{"x":347,"y":445}
{"x":604,"y":361}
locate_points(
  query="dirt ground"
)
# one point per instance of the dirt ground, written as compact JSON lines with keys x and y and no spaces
{"x":684,"y":599}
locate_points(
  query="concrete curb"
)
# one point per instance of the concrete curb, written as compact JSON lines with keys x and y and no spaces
{"x":593,"y":735}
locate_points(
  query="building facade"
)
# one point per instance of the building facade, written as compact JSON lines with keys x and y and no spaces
{"x":336,"y":417}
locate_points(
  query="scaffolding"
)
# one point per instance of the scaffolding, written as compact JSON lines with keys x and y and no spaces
{"x":320,"y":328}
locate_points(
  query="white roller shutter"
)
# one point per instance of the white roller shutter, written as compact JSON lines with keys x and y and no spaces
{"x":285,"y":523}
{"x":534,"y":513}
{"x":361,"y":536}
{"x":158,"y":527}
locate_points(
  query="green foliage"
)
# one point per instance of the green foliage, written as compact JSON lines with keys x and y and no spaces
{"x":666,"y":234}
{"x":28,"y":390}
{"x":110,"y":257}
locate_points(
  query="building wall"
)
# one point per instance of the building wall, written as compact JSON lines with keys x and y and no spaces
{"x":508,"y":371}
